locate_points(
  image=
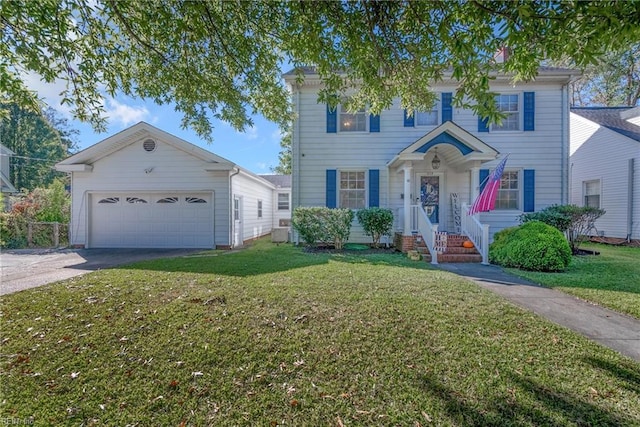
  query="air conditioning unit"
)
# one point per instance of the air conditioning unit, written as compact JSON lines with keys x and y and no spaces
{"x":280,"y":235}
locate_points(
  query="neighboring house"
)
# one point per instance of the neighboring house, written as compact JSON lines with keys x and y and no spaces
{"x":426,"y":166}
{"x":281,"y":207}
{"x":145,"y":188}
{"x":281,"y":199}
{"x":605,"y":167}
{"x":5,"y":172}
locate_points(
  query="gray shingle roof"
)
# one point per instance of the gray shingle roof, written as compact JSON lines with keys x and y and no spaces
{"x":280,"y":181}
{"x":612,"y":118}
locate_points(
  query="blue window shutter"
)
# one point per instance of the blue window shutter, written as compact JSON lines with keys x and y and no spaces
{"x":529,"y":190}
{"x":332,"y":120}
{"x":332,"y":188}
{"x":529,"y":111}
{"x":484,"y":173}
{"x":374,"y":188}
{"x":447,"y":109}
{"x":408,"y":121}
{"x":374,"y":123}
{"x":483,"y":124}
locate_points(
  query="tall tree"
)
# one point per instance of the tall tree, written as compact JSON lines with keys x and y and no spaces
{"x":284,"y":157}
{"x":613,"y":81}
{"x":39,"y":140}
{"x":222,"y":59}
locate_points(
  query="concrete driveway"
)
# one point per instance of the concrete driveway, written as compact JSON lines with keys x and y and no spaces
{"x":28,"y":268}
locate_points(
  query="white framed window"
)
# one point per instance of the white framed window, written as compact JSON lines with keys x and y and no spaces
{"x":236,"y":209}
{"x":508,"y":197}
{"x":352,"y":122}
{"x":509,"y":105}
{"x":591,"y":190}
{"x":283,"y":201}
{"x":427,"y":118}
{"x":352,"y":190}
{"x":259,"y":208}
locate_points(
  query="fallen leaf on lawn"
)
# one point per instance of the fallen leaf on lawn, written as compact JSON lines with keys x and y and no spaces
{"x":339,"y":421}
{"x":294,"y":403}
{"x":197,"y":374}
{"x":426,"y":416}
{"x":75,"y":374}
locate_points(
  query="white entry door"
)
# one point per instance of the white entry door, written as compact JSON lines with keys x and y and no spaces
{"x":237,"y":221}
{"x":151,"y":220}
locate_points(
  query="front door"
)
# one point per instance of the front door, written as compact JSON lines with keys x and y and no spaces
{"x":430,"y":196}
{"x":237,"y":222}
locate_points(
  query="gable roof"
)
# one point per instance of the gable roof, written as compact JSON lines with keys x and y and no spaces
{"x":138,"y":132}
{"x":457,"y":146}
{"x":280,"y":181}
{"x":613,"y":118}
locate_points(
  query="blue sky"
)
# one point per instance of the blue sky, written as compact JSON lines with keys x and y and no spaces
{"x":256,"y":149}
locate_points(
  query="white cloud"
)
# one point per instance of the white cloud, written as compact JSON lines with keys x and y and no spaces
{"x":125,"y":115}
{"x":251,"y":133}
{"x":262,"y":165}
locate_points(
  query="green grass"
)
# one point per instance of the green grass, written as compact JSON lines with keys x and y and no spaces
{"x":611,"y":279}
{"x":275,"y":336}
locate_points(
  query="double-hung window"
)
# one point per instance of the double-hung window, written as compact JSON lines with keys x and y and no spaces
{"x":427,"y":118}
{"x":592,"y":193}
{"x":283,"y":201}
{"x":352,"y":190}
{"x":509,"y":191}
{"x":509,"y":105}
{"x":353,"y":122}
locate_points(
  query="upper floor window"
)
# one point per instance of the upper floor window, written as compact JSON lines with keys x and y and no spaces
{"x":427,"y":118}
{"x":353,"y":122}
{"x":509,"y":105}
{"x":352,"y":190}
{"x":509,"y":191}
{"x":592,"y":193}
{"x":283,"y":201}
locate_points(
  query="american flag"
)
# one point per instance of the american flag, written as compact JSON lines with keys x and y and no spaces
{"x":486,"y":201}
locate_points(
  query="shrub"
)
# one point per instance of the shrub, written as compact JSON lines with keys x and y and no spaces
{"x":532,"y":246}
{"x":322,"y":225}
{"x":376,"y":222}
{"x":575,"y":222}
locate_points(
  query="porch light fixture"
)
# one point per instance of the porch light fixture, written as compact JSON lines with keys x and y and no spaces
{"x":435,"y":163}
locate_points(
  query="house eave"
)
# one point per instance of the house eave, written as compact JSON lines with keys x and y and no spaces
{"x":78,"y":167}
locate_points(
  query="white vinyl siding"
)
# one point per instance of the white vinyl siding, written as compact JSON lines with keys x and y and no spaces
{"x":253,"y":193}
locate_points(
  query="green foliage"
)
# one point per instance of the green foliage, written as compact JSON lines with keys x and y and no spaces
{"x":532,"y":246}
{"x":574,"y":221}
{"x":284,"y":157}
{"x":39,"y":140}
{"x":376,"y":222}
{"x":222,"y":59}
{"x":51,"y":204}
{"x":322,"y":225}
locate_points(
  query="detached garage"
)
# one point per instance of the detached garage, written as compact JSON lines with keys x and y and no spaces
{"x":145,"y":188}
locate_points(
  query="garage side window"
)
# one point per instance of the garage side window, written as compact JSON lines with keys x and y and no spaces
{"x":109,"y":200}
{"x":135,"y":200}
{"x":195,"y":200}
{"x":168,"y":200}
{"x":259,"y":208}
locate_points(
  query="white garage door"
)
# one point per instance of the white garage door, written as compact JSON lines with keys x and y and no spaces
{"x":151,"y":220}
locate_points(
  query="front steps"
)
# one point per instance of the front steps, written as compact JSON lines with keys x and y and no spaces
{"x":454,"y":253}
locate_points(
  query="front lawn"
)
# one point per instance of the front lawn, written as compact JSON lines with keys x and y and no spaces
{"x":276,"y":336}
{"x":611,"y":279}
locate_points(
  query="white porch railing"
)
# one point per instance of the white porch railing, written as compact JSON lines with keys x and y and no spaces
{"x":420,"y":223}
{"x":477,"y":232}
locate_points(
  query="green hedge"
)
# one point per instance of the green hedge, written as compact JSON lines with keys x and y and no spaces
{"x":532,"y":246}
{"x":322,"y":225}
{"x":376,"y":222}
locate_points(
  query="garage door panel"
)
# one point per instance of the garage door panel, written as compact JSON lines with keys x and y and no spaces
{"x":168,"y":220}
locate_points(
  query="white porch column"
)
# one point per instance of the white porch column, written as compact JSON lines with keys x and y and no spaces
{"x":475,"y":184}
{"x":408,"y":172}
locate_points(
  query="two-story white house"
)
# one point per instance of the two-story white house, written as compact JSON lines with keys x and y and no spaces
{"x":427,"y":166}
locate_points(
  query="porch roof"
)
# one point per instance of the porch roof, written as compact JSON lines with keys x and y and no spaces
{"x":459,"y":148}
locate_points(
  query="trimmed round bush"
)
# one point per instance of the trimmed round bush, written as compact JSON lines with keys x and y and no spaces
{"x":532,"y":246}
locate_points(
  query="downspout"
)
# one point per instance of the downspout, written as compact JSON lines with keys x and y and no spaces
{"x":295,"y":158}
{"x":232,"y":221}
{"x":630,"y":200}
{"x":564,"y":142}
